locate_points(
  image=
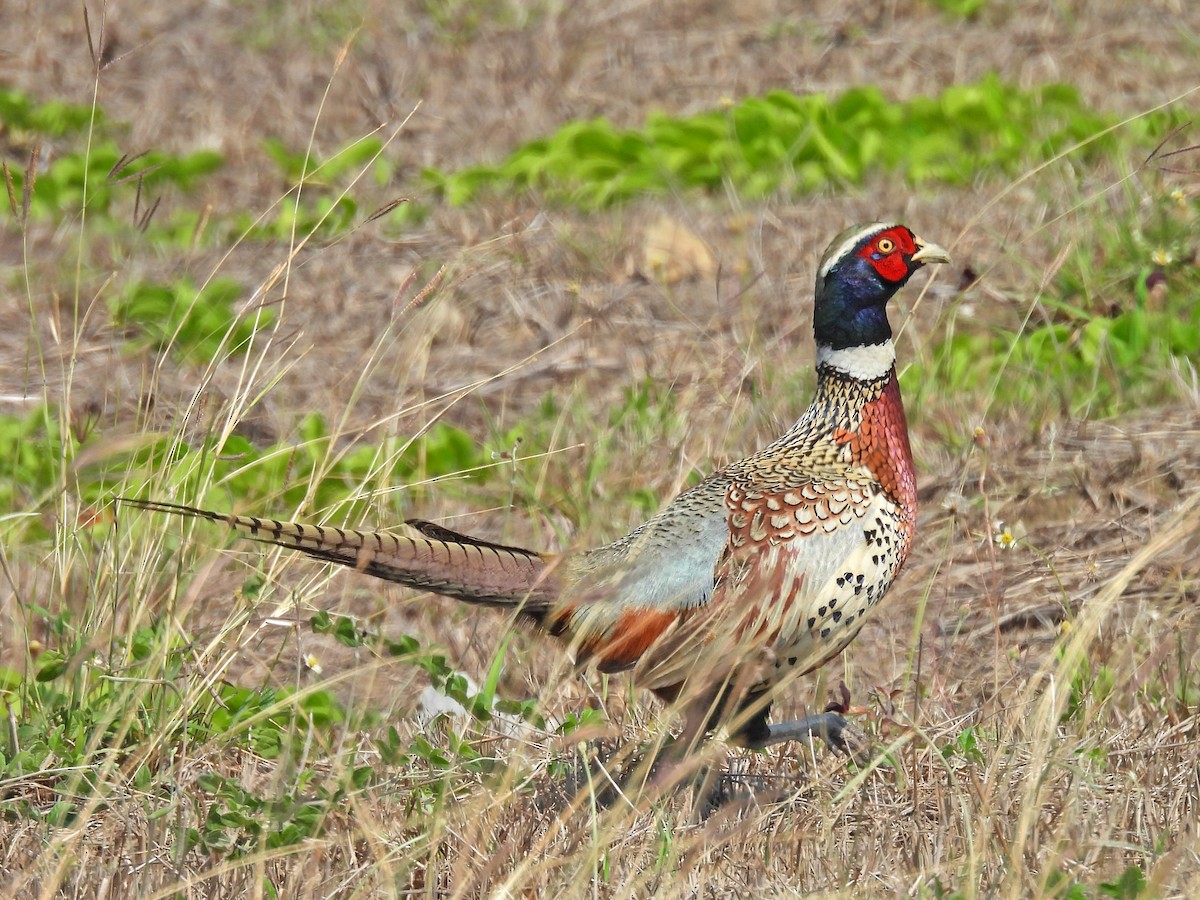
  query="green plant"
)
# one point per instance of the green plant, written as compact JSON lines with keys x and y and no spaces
{"x":27,"y":120}
{"x":92,"y":179}
{"x":1060,"y":886}
{"x":33,"y":449}
{"x":462,"y":21}
{"x":960,"y":9}
{"x":318,"y":203}
{"x":1090,"y":688}
{"x":72,"y":708}
{"x":1131,"y":885}
{"x":1118,"y":319}
{"x":965,"y":745}
{"x":198,"y":323}
{"x":92,"y":176}
{"x":936,"y":889}
{"x":88,"y":174}
{"x":784,"y":142}
{"x":237,"y":822}
{"x":481,"y":704}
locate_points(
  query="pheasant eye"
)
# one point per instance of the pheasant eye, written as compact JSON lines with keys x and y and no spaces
{"x":885,"y":245}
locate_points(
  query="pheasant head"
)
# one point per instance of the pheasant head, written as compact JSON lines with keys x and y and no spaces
{"x":862,"y":269}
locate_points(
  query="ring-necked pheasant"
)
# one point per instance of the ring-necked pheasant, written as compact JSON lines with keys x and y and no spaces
{"x":768,"y":566}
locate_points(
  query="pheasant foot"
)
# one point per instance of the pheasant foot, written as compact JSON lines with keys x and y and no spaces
{"x":831,"y":727}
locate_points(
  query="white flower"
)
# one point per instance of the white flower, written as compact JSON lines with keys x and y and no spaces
{"x":1007,"y":537}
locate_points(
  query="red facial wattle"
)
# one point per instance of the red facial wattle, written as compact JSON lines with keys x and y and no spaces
{"x":889,"y":253}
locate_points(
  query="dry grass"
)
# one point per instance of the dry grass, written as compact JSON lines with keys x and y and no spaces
{"x":1092,"y":612}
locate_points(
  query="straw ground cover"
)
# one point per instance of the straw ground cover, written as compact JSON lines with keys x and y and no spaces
{"x":185,"y":716}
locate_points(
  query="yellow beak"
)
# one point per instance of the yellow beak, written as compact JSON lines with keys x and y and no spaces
{"x":929,"y":253}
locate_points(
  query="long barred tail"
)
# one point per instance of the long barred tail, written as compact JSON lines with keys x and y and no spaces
{"x":425,"y":556}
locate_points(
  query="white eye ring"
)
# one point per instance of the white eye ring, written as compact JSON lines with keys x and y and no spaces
{"x":885,"y":245}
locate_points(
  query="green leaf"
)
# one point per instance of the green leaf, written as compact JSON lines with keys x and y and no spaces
{"x":50,"y":665}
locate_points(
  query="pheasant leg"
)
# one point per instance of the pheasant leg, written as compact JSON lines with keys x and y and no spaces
{"x":830,"y":727}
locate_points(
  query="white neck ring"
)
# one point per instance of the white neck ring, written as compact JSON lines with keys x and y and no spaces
{"x":868,"y":362}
